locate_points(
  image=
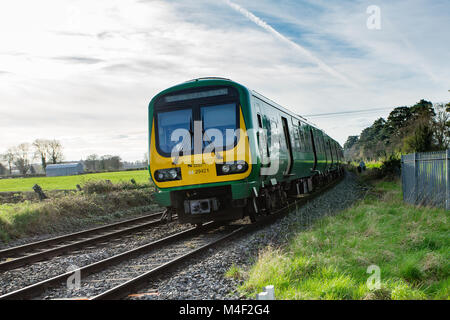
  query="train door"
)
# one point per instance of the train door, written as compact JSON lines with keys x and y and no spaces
{"x":324,"y":149}
{"x":314,"y":150}
{"x":302,"y":137}
{"x":263,"y":135}
{"x":262,"y":142}
{"x":331,"y":153}
{"x":288,"y":145}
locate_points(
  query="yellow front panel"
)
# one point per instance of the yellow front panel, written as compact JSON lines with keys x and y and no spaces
{"x":205,"y":171}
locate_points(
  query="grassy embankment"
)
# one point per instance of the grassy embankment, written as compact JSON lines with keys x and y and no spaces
{"x":98,"y":203}
{"x":410,"y":245}
{"x":70,"y":182}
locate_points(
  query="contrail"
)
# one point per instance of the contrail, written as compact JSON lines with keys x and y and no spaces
{"x":258,"y":21}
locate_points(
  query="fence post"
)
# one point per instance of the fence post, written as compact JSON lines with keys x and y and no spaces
{"x":404,"y":186}
{"x":447,"y":180}
{"x":416,"y":182}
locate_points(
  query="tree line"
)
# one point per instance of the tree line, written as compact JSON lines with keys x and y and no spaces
{"x":422,"y":127}
{"x":95,"y":163}
{"x":21,"y":156}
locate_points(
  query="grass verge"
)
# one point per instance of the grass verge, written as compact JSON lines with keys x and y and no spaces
{"x":73,"y":210}
{"x":330,"y":260}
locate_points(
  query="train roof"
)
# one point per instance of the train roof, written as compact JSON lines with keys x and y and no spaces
{"x":252,"y":92}
{"x":257,"y":94}
{"x":276,"y":105}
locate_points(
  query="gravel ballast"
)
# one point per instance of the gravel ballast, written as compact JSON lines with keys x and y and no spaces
{"x":85,"y":224}
{"x":200,"y":278}
{"x":206,"y":279}
{"x":27,"y":275}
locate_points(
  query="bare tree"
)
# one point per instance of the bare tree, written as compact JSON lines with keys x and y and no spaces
{"x":146,"y":157}
{"x":2,"y":169}
{"x":91,"y":162}
{"x":9,"y":158}
{"x":42,"y":150}
{"x":22,"y":157}
{"x":441,"y":126}
{"x":109,"y":162}
{"x":55,"y":151}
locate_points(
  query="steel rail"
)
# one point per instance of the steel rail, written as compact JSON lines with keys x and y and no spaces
{"x":52,"y":252}
{"x":71,"y":236}
{"x":37,"y":288}
{"x":138,"y":282}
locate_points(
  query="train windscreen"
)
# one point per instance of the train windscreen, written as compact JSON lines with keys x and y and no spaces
{"x":218,"y":122}
{"x":219,"y":125}
{"x":168,"y":123}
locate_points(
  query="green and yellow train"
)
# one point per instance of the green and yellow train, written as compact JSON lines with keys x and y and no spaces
{"x":219,"y":151}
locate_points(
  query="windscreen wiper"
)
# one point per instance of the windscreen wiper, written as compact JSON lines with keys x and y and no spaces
{"x":181,"y":152}
{"x":218,"y":156}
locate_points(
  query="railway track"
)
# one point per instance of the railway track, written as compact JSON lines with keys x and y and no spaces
{"x":15,"y":257}
{"x":127,"y":272}
{"x":38,"y":288}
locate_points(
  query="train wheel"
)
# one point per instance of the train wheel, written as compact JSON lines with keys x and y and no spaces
{"x":284,"y":198}
{"x":252,"y":210}
{"x":265,"y":201}
{"x":167,"y":215}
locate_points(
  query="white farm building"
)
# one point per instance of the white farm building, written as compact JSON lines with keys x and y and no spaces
{"x":64,"y":169}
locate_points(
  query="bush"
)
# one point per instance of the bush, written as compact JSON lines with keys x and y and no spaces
{"x":391,"y":166}
{"x":105,"y":186}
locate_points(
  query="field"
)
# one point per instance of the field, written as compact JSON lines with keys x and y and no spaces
{"x":408,"y":245}
{"x":70,"y":182}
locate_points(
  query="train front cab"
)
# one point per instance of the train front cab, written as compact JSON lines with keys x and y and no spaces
{"x":213,"y":183}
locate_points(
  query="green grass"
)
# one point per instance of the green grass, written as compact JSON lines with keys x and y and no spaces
{"x":70,"y":182}
{"x":369,"y":164}
{"x":74,"y":209}
{"x":411,"y":246}
{"x":234,"y":272}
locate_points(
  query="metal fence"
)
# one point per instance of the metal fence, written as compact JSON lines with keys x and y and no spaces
{"x":426,"y":178}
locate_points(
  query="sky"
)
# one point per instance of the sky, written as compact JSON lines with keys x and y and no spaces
{"x":83,"y":72}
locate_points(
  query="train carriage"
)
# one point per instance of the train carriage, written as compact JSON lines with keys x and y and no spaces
{"x":219,"y":151}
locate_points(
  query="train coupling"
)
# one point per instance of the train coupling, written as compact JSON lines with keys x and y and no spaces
{"x":201,"y":206}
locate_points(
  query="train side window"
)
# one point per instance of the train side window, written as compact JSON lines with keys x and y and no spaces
{"x":269,"y":132}
{"x":296,"y":138}
{"x":263,"y":141}
{"x":300,"y":139}
{"x":310,"y":147}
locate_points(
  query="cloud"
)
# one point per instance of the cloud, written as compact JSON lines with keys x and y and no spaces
{"x":83,"y":60}
{"x":84,"y":72}
{"x":308,"y":54}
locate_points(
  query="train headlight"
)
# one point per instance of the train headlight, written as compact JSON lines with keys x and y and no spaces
{"x":231,"y":168}
{"x":172,"y":174}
